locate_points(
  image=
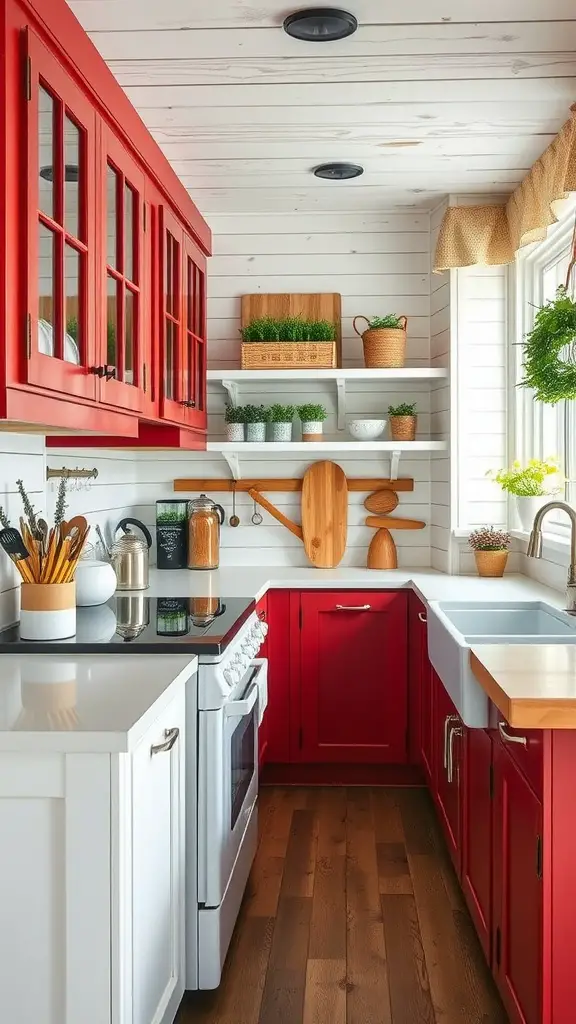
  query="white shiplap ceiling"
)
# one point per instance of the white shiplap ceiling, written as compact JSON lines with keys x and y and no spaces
{"x":431,"y":96}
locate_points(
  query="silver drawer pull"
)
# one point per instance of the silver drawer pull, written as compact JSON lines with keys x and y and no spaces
{"x":511,"y":739}
{"x":353,"y":607}
{"x":422,"y":617}
{"x":171,"y":735}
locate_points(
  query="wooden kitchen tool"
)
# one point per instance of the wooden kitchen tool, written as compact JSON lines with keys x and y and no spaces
{"x":381,"y":502}
{"x":382,"y":552}
{"x":391,"y":523}
{"x":324,"y":514}
{"x":279,"y":516}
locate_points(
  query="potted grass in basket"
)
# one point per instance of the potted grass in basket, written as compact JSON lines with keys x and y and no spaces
{"x":288,"y":343}
{"x":403,"y":420}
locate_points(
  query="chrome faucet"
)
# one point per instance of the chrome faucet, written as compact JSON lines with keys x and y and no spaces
{"x":535,"y":547}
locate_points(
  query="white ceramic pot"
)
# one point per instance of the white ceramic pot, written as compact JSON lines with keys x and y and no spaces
{"x":312,"y":430}
{"x":255,"y":431}
{"x":281,"y":431}
{"x":234,"y":431}
{"x":47,"y":611}
{"x":95,"y":583}
{"x":528,"y":507}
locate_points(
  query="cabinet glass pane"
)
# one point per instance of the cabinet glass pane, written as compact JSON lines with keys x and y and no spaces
{"x":73,"y":318}
{"x":189,"y":294}
{"x":129,"y":236}
{"x":46,"y":151}
{"x":73,"y":173}
{"x":129,"y":332}
{"x":46,"y":290}
{"x":169,"y":273}
{"x":199,"y":303}
{"x":112,"y":317}
{"x":169,"y":367}
{"x":111,"y":216}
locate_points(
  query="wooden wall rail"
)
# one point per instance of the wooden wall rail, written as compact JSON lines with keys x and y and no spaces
{"x":354,"y":484}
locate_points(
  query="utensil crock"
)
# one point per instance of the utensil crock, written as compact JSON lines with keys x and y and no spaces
{"x":47,"y":611}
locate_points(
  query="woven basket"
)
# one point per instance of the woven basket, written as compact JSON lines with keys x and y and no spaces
{"x":288,"y":355}
{"x":403,"y":428}
{"x":491,"y":563}
{"x":385,"y":347}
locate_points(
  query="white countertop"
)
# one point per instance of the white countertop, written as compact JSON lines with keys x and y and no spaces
{"x":84,"y":703}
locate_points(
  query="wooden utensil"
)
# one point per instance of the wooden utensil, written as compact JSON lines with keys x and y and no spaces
{"x":324,"y":514}
{"x":14,"y":546}
{"x":381,"y":502}
{"x":382,"y":552}
{"x":391,"y":523}
{"x":279,"y":516}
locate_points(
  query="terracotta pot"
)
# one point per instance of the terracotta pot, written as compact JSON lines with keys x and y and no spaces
{"x":403,"y":428}
{"x":491,"y":563}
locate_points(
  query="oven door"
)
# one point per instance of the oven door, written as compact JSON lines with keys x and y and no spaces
{"x":227,"y":785}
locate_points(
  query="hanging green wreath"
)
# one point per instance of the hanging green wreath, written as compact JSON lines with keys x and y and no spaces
{"x":550,"y":352}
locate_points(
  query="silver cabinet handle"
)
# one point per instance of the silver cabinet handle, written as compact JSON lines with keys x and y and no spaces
{"x":447,"y":723}
{"x":170,"y":737}
{"x":353,"y":607}
{"x":456,"y":730}
{"x":422,"y":617}
{"x":511,"y":739}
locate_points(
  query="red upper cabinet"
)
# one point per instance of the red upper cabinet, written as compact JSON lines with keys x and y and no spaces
{"x":61,"y":240}
{"x":353,"y":677}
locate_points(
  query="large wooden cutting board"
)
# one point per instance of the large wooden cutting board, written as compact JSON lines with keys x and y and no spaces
{"x":324,"y":514}
{"x":319,"y":306}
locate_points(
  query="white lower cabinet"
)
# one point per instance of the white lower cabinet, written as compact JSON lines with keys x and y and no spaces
{"x":92,"y":881}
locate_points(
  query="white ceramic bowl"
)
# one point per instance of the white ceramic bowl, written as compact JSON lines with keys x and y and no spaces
{"x":366,"y":430}
{"x":95,"y":583}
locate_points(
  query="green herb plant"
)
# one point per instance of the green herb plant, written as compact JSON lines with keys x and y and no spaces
{"x":311,"y":413}
{"x":379,"y":323}
{"x":538,"y":477}
{"x":404,"y":409}
{"x":29,"y":508}
{"x":550,"y":351}
{"x":235,"y":414}
{"x":169,"y":516}
{"x":281,"y":413}
{"x":488,"y":538}
{"x":255,"y":414}
{"x":291,"y":328}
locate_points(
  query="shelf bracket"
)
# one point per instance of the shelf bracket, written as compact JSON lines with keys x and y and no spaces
{"x":341,"y":396}
{"x":395,"y":465}
{"x":233,"y":460}
{"x":232,"y":390}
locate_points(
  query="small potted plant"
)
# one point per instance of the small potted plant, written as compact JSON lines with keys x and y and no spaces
{"x":281,"y":417}
{"x":234,"y":417}
{"x":533,"y":485}
{"x":403,"y":420}
{"x":490,"y":547}
{"x":384,"y":340}
{"x":255,"y":418}
{"x":312,"y":417}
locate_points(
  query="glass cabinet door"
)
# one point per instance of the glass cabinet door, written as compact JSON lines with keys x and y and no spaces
{"x":195,"y":332}
{"x":123,"y":372}
{"x":61,"y":127}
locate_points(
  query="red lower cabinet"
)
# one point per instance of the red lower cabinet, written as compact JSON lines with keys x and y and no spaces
{"x":353,"y":677}
{"x":477,"y":792}
{"x":447,"y":769}
{"x":420,"y":690}
{"x":278,"y":714}
{"x":518,"y":900}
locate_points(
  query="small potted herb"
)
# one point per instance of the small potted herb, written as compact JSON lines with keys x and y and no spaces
{"x":533,"y":485}
{"x":490,"y":547}
{"x":255,"y":418}
{"x":312,"y":417}
{"x":403,"y":420}
{"x":384,"y":340}
{"x":281,"y":417}
{"x":235,"y":419}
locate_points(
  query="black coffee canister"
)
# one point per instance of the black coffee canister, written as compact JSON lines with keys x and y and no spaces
{"x":171,"y":534}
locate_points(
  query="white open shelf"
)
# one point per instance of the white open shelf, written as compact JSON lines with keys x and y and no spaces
{"x":233,"y":380}
{"x":233,"y":451}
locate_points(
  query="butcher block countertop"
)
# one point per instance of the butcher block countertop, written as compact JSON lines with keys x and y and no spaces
{"x":532,"y":685}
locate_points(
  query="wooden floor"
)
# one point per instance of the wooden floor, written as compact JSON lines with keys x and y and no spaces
{"x":353,"y":915}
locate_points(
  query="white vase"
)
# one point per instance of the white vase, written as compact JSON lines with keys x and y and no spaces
{"x":255,"y":431}
{"x":234,"y":431}
{"x":281,"y":431}
{"x":311,"y":430}
{"x":529,"y":506}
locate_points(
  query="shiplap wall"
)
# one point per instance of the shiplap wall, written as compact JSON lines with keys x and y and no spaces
{"x":440,"y":334}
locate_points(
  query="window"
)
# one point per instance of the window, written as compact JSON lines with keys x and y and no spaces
{"x":544,"y":430}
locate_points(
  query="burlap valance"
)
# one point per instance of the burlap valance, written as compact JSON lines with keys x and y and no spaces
{"x":492,"y":234}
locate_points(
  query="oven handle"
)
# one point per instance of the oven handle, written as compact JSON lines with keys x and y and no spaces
{"x":240,"y":708}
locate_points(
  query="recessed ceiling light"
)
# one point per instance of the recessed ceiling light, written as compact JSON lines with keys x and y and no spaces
{"x":320,"y":24}
{"x":71,"y":172}
{"x":338,"y":171}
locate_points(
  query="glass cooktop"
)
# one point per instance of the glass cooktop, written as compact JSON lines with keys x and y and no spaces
{"x":140,"y":624}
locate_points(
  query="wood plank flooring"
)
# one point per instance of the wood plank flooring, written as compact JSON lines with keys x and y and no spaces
{"x":352,"y":915}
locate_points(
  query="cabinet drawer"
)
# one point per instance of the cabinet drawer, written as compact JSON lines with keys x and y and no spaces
{"x":526,"y":748}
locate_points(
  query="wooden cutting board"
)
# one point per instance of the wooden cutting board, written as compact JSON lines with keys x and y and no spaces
{"x":316,"y":306}
{"x":324,"y":514}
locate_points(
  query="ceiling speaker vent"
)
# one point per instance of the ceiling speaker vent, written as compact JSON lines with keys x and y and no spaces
{"x":320,"y":24}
